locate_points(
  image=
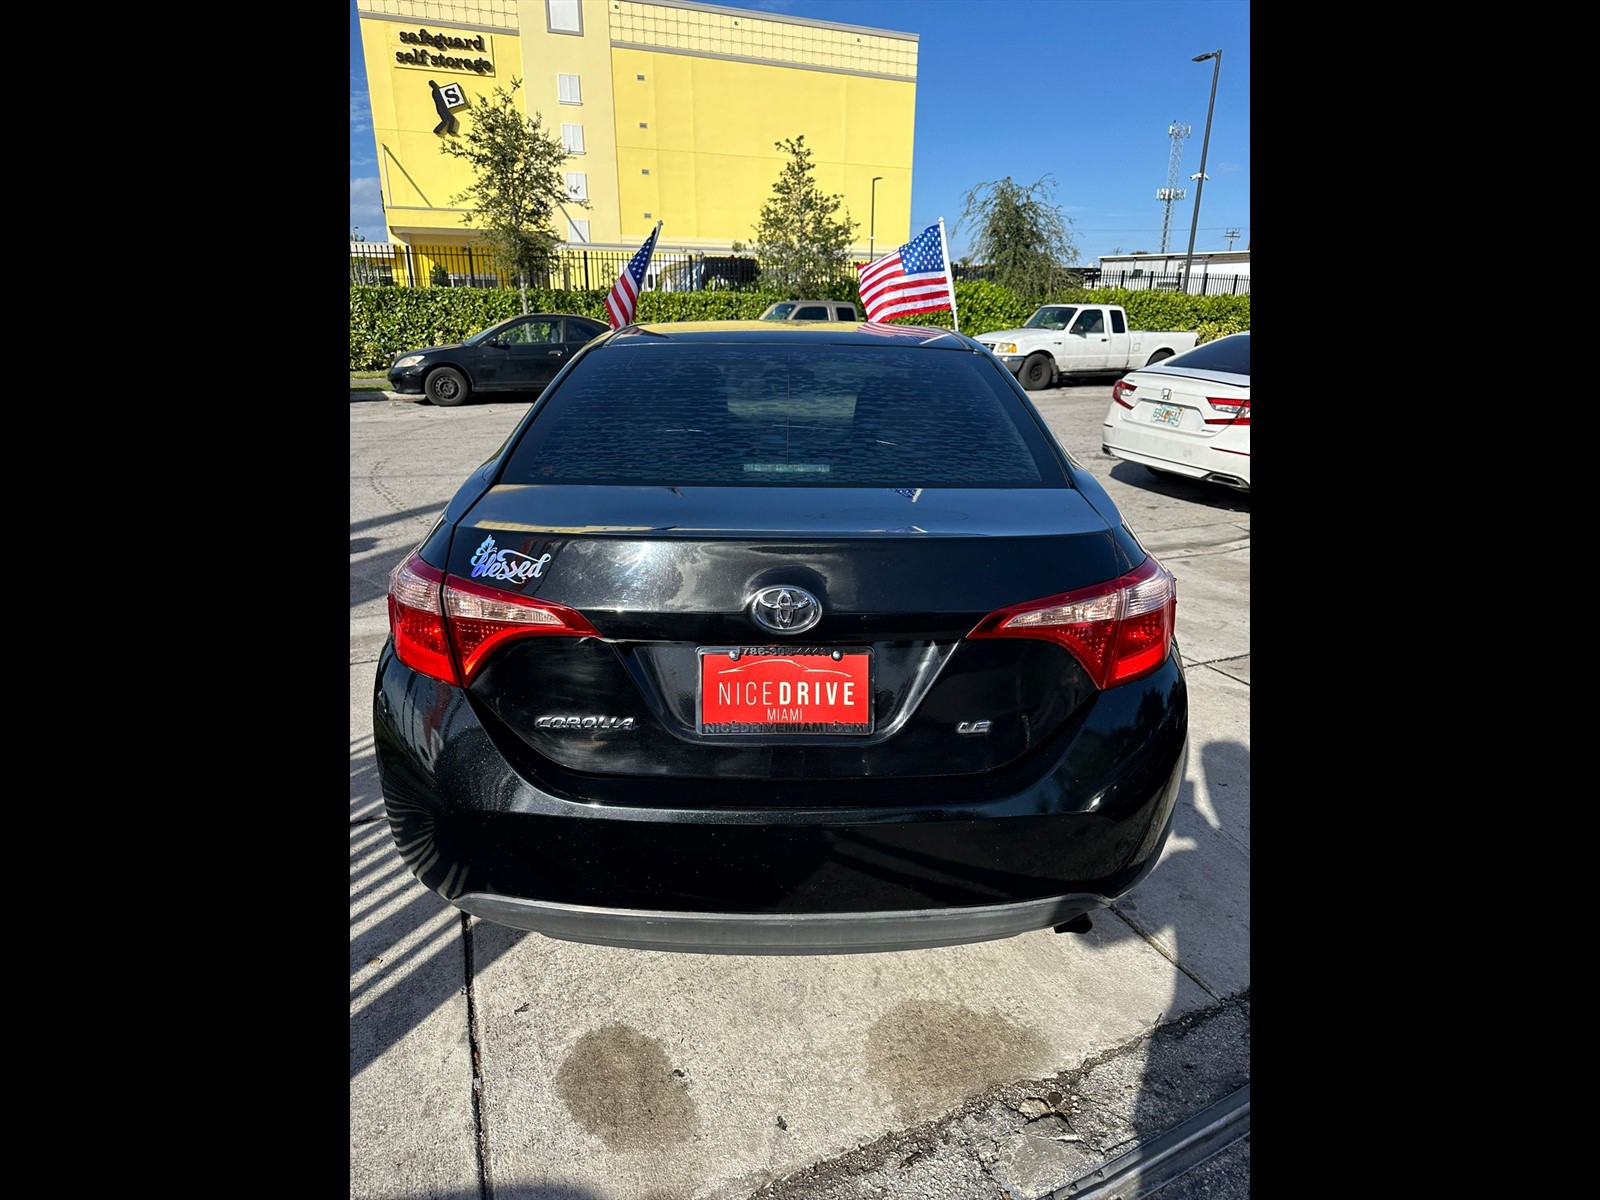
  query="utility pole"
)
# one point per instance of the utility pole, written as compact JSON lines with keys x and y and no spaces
{"x":1232,"y":235}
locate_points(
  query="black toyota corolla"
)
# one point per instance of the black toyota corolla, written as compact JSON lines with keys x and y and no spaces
{"x":769,"y":638}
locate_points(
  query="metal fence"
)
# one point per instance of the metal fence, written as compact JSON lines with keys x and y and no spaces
{"x":568,"y":270}
{"x":1202,"y":282}
{"x":691,"y":271}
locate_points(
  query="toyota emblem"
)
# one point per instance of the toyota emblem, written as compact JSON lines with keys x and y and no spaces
{"x":785,"y":609}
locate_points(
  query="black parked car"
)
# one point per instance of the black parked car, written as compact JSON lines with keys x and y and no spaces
{"x":763,"y":637}
{"x":519,"y":355}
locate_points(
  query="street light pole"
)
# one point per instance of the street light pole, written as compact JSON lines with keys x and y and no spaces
{"x":872,"y":229}
{"x":1205,"y":144}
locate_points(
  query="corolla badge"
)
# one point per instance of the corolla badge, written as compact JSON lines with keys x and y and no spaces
{"x":506,"y":564}
{"x":785,"y":609}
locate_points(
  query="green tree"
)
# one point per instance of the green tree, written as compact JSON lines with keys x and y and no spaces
{"x":1020,"y":235}
{"x":519,"y":185}
{"x":803,"y":246}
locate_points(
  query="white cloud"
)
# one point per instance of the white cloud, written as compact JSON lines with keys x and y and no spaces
{"x":1229,"y":167}
{"x":360,"y":110}
{"x":366,"y":209}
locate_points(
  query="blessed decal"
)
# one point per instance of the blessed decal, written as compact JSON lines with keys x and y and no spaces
{"x":506,"y":565}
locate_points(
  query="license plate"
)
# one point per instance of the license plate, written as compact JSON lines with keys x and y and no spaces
{"x":779,"y":690}
{"x":1167,"y":414}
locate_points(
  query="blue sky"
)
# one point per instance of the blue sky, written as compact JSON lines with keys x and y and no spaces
{"x":1082,"y":90}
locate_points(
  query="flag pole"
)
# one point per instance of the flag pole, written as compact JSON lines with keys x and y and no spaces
{"x":654,"y":242}
{"x":949,"y":276}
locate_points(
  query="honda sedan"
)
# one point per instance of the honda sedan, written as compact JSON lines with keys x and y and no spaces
{"x":763,"y":637}
{"x":1188,"y":415}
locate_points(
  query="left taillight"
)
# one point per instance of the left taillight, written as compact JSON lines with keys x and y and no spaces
{"x":446,"y":627}
{"x":1122,"y":392}
{"x":1119,"y":630}
{"x":484,"y":618}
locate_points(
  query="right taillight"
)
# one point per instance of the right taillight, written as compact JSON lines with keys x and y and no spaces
{"x":446,"y":627}
{"x":1118,"y":630}
{"x":1122,"y":392}
{"x":1238,"y":410}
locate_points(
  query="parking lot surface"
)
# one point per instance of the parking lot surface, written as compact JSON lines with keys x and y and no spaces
{"x":485,"y":1062}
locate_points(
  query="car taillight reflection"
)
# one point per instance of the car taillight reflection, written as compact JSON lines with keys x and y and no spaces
{"x":1118,"y":630}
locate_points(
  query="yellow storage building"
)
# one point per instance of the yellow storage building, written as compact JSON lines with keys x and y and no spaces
{"x":670,"y":111}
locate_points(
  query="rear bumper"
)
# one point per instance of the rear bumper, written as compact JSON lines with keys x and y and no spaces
{"x":1063,"y":831}
{"x":783,"y":933}
{"x":1223,"y":457}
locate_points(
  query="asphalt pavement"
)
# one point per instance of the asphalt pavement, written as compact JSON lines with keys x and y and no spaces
{"x":486,"y":1062}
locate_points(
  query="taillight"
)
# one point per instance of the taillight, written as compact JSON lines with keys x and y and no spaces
{"x":1118,"y":630}
{"x":482,"y":618}
{"x":1122,"y":392}
{"x":1238,"y":410}
{"x":446,"y":627}
{"x":416,"y":619}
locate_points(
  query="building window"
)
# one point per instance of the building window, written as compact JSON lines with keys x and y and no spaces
{"x":572,"y":139}
{"x":577,"y":231}
{"x":564,"y":16}
{"x":577,"y":185}
{"x":644,"y":124}
{"x":644,"y":170}
{"x":570,"y":92}
{"x":640,"y":78}
{"x":647,"y":216}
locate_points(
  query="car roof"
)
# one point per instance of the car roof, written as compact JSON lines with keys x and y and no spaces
{"x":814,"y":333}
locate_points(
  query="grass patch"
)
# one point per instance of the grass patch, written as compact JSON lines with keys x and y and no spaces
{"x":368,"y":381}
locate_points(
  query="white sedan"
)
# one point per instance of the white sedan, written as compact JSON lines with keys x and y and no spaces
{"x":1188,"y":415}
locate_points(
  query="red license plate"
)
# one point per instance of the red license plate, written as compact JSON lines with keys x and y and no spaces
{"x":785,"y":690}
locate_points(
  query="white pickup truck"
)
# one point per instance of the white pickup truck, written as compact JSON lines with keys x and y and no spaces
{"x":1079,"y":339}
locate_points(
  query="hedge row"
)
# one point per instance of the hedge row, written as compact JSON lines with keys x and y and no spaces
{"x":386,"y":320}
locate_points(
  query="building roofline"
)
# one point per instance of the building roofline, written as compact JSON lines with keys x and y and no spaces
{"x":784,"y":18}
{"x":1180,"y":254}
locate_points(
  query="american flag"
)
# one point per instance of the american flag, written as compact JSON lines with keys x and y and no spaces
{"x":623,"y":301}
{"x":911,"y":280}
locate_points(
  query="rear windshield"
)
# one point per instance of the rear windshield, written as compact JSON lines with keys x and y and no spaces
{"x":820,"y":416}
{"x":1231,"y":354}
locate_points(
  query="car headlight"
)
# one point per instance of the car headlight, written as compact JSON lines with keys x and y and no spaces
{"x":409,"y":360}
{"x":1005,"y":347}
